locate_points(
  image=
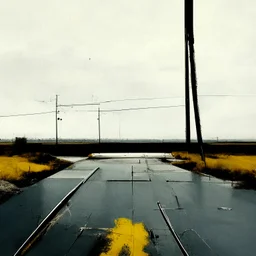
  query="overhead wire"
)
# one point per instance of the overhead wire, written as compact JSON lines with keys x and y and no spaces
{"x":152,"y":98}
{"x":125,"y":109}
{"x":27,"y":114}
{"x":138,"y":99}
{"x":112,"y":101}
{"x":79,"y":105}
{"x":130,"y":109}
{"x":104,"y":110}
{"x":178,"y":97}
{"x":227,"y":95}
{"x":140,"y":108}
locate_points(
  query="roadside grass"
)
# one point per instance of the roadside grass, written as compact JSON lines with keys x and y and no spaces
{"x":27,"y":169}
{"x":224,"y":166}
{"x":14,"y":168}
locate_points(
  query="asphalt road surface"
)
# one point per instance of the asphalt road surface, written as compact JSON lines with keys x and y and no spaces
{"x":115,"y":212}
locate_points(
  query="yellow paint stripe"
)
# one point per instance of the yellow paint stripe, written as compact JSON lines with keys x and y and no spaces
{"x":127,"y":236}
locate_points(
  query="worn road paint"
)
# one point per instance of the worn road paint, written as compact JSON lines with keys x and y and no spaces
{"x":127,"y":239}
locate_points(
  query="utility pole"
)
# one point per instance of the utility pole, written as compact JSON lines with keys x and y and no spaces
{"x":187,"y":100}
{"x":56,"y":120}
{"x":189,"y":37}
{"x":99,"y":122}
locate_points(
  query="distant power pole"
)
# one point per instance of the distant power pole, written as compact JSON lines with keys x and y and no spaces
{"x":99,"y":122}
{"x":56,"y":119}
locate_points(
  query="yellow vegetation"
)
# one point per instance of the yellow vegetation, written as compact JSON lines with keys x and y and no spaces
{"x":232,"y":163}
{"x":13,"y":168}
{"x":127,"y":238}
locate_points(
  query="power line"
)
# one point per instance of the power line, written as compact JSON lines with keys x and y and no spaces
{"x":131,"y":109}
{"x":28,"y":114}
{"x":178,"y":97}
{"x":138,"y":99}
{"x":227,"y":95}
{"x":118,"y":100}
{"x":142,"y":108}
{"x":154,"y":98}
{"x":111,"y":101}
{"x":79,"y":105}
{"x":127,"y":109}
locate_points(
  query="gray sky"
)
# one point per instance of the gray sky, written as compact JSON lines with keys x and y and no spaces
{"x":101,"y":50}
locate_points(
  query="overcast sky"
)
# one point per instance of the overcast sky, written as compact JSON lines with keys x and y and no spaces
{"x":89,"y":51}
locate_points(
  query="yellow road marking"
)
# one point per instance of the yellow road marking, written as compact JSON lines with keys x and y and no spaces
{"x":132,"y":238}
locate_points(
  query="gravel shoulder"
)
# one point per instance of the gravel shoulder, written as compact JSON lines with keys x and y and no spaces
{"x":7,"y":190}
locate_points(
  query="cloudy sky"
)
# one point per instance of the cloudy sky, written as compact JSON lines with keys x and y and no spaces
{"x":91,"y":51}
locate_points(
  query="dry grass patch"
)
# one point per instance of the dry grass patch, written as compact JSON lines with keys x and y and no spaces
{"x":14,"y":168}
{"x":232,"y":167}
{"x":29,"y":168}
{"x":220,"y":161}
{"x":25,"y":170}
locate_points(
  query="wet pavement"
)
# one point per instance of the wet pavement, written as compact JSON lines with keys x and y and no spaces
{"x":116,"y":213}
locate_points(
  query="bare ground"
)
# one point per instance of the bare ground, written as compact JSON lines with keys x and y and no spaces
{"x":7,"y":190}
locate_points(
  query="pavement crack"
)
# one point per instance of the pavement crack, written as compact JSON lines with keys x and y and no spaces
{"x":81,"y":230}
{"x":194,"y":231}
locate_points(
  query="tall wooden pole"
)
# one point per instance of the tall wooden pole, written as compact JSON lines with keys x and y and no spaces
{"x":56,"y":120}
{"x":189,"y":12}
{"x":187,"y":100}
